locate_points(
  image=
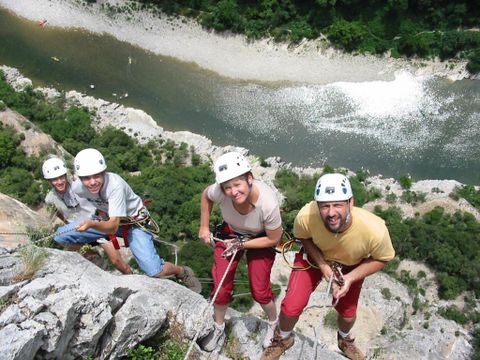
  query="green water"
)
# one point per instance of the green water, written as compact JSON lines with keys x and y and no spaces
{"x":426,"y":127}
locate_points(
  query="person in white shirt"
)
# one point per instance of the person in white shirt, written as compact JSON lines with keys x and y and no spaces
{"x":110,"y":194}
{"x":72,"y":208}
{"x":250,"y":211}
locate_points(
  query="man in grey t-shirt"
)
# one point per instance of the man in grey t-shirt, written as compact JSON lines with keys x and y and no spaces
{"x":109,"y":193}
{"x":71,"y":208}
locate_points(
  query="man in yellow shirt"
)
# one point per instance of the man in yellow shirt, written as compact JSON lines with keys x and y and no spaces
{"x":332,"y":231}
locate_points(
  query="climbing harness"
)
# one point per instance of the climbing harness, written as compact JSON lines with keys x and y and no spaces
{"x":142,"y":220}
{"x":210,"y":303}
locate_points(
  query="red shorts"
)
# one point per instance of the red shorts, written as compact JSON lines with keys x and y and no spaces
{"x":259,"y":262}
{"x":303,"y":282}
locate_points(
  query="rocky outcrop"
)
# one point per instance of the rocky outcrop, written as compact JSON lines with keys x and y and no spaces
{"x":16,"y":219}
{"x":34,"y":141}
{"x":72,"y":309}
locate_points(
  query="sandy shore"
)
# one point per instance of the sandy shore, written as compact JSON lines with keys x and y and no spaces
{"x":228,"y":55}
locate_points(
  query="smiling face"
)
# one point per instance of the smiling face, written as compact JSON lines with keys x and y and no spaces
{"x":336,"y":214}
{"x":59,"y":183}
{"x":238,"y":189}
{"x":93,"y":183}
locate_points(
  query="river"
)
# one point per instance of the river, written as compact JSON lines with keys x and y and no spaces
{"x":425,"y":126}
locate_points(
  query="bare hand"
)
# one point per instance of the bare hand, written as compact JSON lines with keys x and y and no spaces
{"x":83,"y":226}
{"x":340,"y":291}
{"x":231,"y":247}
{"x":205,"y":235}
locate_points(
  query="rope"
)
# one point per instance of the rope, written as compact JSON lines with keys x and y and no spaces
{"x":286,"y":247}
{"x":14,"y":233}
{"x":175,"y":247}
{"x":336,"y":276}
{"x":212,"y":300}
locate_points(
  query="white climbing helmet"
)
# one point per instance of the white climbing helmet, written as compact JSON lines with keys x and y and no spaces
{"x":333,"y":187}
{"x":229,"y":166}
{"x":89,"y":162}
{"x":53,"y":168}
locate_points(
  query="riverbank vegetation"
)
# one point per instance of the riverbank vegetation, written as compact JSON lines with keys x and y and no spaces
{"x":422,"y":28}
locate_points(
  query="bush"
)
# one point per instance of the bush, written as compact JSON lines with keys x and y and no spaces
{"x":469,"y":193}
{"x":473,"y":65}
{"x":447,"y":243}
{"x":405,"y":182}
{"x":347,"y":35}
{"x":454,"y":313}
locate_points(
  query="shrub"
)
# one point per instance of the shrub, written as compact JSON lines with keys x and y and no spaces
{"x":469,"y":193}
{"x":405,"y":182}
{"x":391,"y":198}
{"x":387,"y":294}
{"x":454,"y":313}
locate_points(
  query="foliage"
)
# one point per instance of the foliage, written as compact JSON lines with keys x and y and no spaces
{"x":405,"y":182}
{"x":347,"y":35}
{"x":17,"y":171}
{"x":424,"y":28}
{"x":454,"y":313}
{"x":449,"y":243}
{"x":413,"y":197}
{"x":469,"y":193}
{"x":142,"y":352}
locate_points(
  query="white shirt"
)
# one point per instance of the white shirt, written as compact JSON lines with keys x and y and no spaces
{"x":116,"y":197}
{"x":264,"y":216}
{"x":71,"y":206}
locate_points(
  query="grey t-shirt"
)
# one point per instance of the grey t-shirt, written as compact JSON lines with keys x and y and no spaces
{"x":116,"y":197}
{"x":70,"y":205}
{"x":264,"y":216}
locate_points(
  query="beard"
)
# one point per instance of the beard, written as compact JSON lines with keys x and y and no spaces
{"x":337,"y":223}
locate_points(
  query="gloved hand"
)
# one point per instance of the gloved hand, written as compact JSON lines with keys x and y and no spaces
{"x":232,"y":247}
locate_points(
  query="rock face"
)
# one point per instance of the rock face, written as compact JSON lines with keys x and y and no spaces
{"x":72,"y":309}
{"x":34,"y":141}
{"x":15,"y":218}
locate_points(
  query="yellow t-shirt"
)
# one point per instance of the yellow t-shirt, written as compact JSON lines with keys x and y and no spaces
{"x":366,"y":237}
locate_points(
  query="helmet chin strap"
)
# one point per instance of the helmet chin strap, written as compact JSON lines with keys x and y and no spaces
{"x":348,"y":218}
{"x":250,"y":189}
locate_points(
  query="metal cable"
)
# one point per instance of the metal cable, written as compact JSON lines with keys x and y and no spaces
{"x":212,"y":300}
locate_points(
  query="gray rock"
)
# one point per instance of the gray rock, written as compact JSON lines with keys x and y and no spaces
{"x":12,"y":315}
{"x":21,"y":342}
{"x":83,"y":311}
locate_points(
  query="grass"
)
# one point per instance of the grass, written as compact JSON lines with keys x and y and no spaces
{"x":32,"y":258}
{"x":330,"y":319}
